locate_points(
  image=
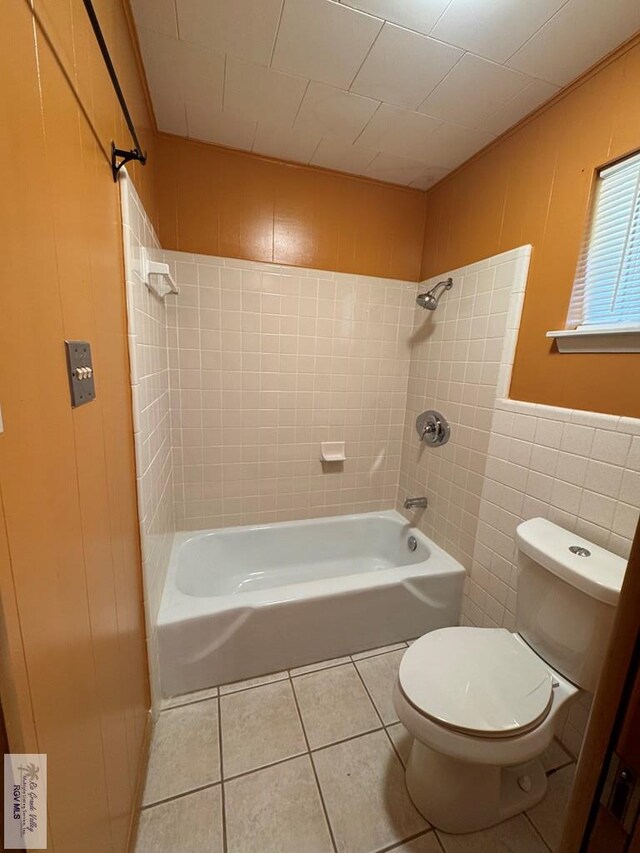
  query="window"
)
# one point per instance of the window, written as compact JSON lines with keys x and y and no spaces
{"x":604,"y":313}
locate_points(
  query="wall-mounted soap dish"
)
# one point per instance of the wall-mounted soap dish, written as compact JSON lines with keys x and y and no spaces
{"x":157,"y":276}
{"x":332,"y":451}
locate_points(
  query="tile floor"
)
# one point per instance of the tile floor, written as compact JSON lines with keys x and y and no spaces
{"x":309,"y":761}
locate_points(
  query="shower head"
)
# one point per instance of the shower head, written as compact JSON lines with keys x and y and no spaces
{"x":430,"y":299}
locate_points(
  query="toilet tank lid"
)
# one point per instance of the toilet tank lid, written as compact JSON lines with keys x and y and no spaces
{"x":598,"y":574}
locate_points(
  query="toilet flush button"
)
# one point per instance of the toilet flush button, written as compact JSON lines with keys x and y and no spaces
{"x":525,"y":783}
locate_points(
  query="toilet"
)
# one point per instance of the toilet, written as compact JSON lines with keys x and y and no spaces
{"x":483,"y":704}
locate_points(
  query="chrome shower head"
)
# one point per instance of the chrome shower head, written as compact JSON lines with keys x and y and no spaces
{"x":427,"y":300}
{"x":430,"y":299}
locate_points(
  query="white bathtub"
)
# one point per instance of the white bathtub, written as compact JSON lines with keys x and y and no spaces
{"x":246,"y":601}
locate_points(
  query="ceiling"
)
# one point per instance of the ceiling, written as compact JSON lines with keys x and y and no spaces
{"x":398,"y":90}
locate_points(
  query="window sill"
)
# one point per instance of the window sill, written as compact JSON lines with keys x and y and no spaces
{"x":597,"y":340}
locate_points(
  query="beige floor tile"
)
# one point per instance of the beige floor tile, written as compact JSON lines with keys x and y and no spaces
{"x":188,"y":698}
{"x":379,"y":651}
{"x":190,"y":824}
{"x":276,"y":810}
{"x":424,"y":844}
{"x":252,"y":682}
{"x":323,"y":664}
{"x":402,"y":741}
{"x":259,"y":726}
{"x":379,"y":674}
{"x":548,"y":816}
{"x":513,"y":836}
{"x":334,"y":705}
{"x":362,"y":783}
{"x":185,"y":751}
{"x":555,"y":756}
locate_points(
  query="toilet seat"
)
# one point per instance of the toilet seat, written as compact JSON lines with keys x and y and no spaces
{"x":482,"y":682}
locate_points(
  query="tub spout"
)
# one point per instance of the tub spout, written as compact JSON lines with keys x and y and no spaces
{"x":416,"y":503}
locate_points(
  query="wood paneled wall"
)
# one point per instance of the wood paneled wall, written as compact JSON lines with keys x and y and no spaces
{"x":221,"y":202}
{"x":534,"y":187}
{"x":73,"y":662}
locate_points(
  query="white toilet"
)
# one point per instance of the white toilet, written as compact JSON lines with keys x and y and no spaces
{"x":482,"y":704}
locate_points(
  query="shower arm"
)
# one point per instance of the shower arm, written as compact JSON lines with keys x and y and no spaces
{"x":446,"y":284}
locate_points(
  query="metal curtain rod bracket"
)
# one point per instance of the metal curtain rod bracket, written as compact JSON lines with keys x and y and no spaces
{"x":119,"y":156}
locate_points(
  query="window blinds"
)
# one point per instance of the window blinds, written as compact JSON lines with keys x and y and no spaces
{"x":606,"y":290}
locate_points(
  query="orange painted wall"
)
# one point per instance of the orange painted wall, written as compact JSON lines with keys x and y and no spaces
{"x":73,"y":663}
{"x":221,"y":202}
{"x":534,"y":187}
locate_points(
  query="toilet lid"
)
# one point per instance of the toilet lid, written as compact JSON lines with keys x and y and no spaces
{"x":482,"y":681}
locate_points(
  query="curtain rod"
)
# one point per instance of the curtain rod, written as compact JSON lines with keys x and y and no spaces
{"x":119,"y":156}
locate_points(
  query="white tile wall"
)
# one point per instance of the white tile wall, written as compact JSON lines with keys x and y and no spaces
{"x":507,"y":461}
{"x":580,"y":470}
{"x":460,"y":358}
{"x":147,"y":326}
{"x":265,"y":363}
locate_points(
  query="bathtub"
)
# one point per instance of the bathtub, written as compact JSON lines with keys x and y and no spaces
{"x":246,"y":601}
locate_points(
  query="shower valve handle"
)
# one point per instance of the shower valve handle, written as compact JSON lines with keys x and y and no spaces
{"x":433,"y":428}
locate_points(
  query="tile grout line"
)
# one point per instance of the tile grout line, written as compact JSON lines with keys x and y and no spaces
{"x":179,"y":796}
{"x":189,"y":702}
{"x":313,"y":767}
{"x":384,"y":725}
{"x":536,"y":831}
{"x":222,"y":790}
{"x":389,"y":848}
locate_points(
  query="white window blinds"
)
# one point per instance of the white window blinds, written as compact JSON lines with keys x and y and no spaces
{"x":606,"y":290}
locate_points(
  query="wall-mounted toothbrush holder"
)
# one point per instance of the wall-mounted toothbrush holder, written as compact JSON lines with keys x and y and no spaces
{"x":332,"y":451}
{"x":157,"y":276}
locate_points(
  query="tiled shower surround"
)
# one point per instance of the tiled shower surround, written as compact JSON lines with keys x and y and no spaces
{"x":151,"y":416}
{"x":267,"y":362}
{"x":253,"y":365}
{"x":461,"y":355}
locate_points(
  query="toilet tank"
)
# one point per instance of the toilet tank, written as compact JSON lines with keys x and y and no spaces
{"x":568,"y":589}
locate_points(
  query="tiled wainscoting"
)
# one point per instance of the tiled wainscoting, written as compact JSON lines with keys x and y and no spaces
{"x":147,"y":322}
{"x":309,"y":761}
{"x":267,"y":362}
{"x":461,"y":356}
{"x":578,"y":469}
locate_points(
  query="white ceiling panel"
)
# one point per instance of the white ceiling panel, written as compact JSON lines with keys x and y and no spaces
{"x":494,"y":29}
{"x":334,"y":113}
{"x":403,"y":67}
{"x":474,"y":89}
{"x":323,"y":41}
{"x":176,"y":71}
{"x":296,"y":144}
{"x":257,"y":93}
{"x":576,"y":37}
{"x":159,"y":16}
{"x":399,"y":132}
{"x":429,"y":177}
{"x":395,"y":170}
{"x":245,"y":28}
{"x":220,"y":128}
{"x":334,"y":154}
{"x":418,"y":15}
{"x":400,"y":90}
{"x":450,"y":145}
{"x":536,"y":93}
